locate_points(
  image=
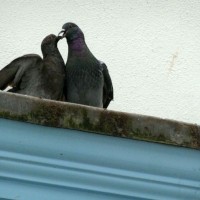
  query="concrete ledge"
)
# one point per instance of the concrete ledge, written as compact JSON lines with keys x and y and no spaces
{"x":120,"y":124}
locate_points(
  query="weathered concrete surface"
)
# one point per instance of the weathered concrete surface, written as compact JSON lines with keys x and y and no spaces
{"x":74,"y":116}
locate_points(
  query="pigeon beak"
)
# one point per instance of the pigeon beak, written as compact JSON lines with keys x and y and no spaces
{"x":61,"y":32}
{"x":59,"y":38}
{"x":64,"y":34}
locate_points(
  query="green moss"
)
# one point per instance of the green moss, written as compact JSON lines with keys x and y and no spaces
{"x":146,"y":134}
{"x":162,"y":138}
{"x":114,"y":124}
{"x":195,"y":134}
{"x":8,"y":115}
{"x":70,"y":123}
{"x":42,"y":114}
{"x":76,"y":118}
{"x":47,"y":114}
{"x":85,"y":121}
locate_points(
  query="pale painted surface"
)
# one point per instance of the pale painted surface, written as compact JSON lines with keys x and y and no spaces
{"x":152,"y":48}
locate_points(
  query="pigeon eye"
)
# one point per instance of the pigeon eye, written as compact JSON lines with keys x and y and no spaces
{"x":70,"y":26}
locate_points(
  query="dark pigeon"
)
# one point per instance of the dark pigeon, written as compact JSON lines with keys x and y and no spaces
{"x":32,"y":75}
{"x":87,"y":79}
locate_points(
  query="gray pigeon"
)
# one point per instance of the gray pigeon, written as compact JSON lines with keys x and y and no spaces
{"x":87,"y":79}
{"x":32,"y":75}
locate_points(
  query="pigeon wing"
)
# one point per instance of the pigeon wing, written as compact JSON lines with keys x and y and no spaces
{"x":13,"y":72}
{"x":108,"y":87}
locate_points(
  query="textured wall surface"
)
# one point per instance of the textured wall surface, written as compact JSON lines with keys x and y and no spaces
{"x":152,"y":48}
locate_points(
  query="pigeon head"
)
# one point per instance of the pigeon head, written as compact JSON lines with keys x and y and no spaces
{"x":49,"y":44}
{"x":71,"y":31}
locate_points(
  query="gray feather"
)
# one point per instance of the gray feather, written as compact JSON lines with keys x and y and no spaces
{"x":32,"y":75}
{"x":87,"y":79}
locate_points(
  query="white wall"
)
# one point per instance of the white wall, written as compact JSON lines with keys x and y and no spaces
{"x":152,"y":48}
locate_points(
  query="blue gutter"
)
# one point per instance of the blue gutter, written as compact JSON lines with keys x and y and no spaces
{"x":38,"y":162}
